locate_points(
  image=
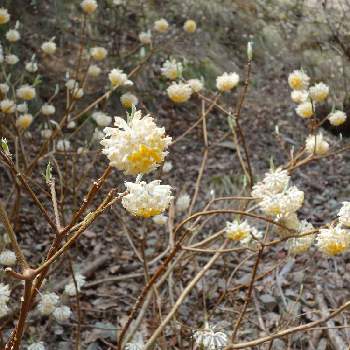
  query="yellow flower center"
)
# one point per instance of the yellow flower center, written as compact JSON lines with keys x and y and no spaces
{"x":334,"y":248}
{"x":296,"y":83}
{"x":237,"y":235}
{"x":145,"y":158}
{"x":148,"y":212}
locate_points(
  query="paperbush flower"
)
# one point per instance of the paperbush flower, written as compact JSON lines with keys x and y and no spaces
{"x":172,"y":69}
{"x":4,"y":15}
{"x":118,"y":78}
{"x":208,"y":339}
{"x":7,"y":106}
{"x":7,"y":258}
{"x":183,"y":202}
{"x":24,"y":121}
{"x":190,"y":26}
{"x":4,"y":88}
{"x":48,"y":109}
{"x":161,"y":26}
{"x":333,"y":240}
{"x":299,"y":245}
{"x":283,"y":203}
{"x":319,"y":92}
{"x":136,"y":147}
{"x":146,"y":199}
{"x":101,"y":118}
{"x":145,"y":37}
{"x":249,"y":241}
{"x":63,"y":145}
{"x":305,"y":110}
{"x":195,"y":84}
{"x":237,"y":230}
{"x":62,"y":313}
{"x":13,"y":35}
{"x":70,"y":287}
{"x":89,"y":6}
{"x":11,"y":59}
{"x":299,"y":96}
{"x":94,"y":71}
{"x":98,"y":53}
{"x":315,"y":144}
{"x":46,"y":133}
{"x":128,"y":100}
{"x":31,"y":67}
{"x":298,"y":80}
{"x":37,"y":346}
{"x":179,"y":92}
{"x":291,"y":223}
{"x":48,"y":303}
{"x":337,"y":118}
{"x":274,"y":182}
{"x":22,"y":108}
{"x":49,"y":47}
{"x":26,"y":92}
{"x":344,"y":214}
{"x":227,"y":81}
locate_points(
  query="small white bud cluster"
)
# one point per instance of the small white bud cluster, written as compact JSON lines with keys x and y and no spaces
{"x":208,"y":339}
{"x":183,"y":202}
{"x":70,"y":288}
{"x":227,"y":81}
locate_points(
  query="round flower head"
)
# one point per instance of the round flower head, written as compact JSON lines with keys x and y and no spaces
{"x":160,"y":219}
{"x":24,"y":121}
{"x":128,"y":100}
{"x":305,"y":110}
{"x":118,"y":78}
{"x":4,"y":15}
{"x":145,"y":37}
{"x":298,"y":80}
{"x":195,"y":84}
{"x":70,"y":287}
{"x":31,"y":67}
{"x":7,"y":258}
{"x":46,"y":133}
{"x":161,"y":26}
{"x":227,"y":81}
{"x":190,"y":26}
{"x":208,"y":339}
{"x":237,"y":230}
{"x":299,"y":245}
{"x":72,"y":84}
{"x":167,"y":167}
{"x":333,"y":240}
{"x":344,"y":214}
{"x":7,"y":106}
{"x":319,"y":92}
{"x":62,"y":313}
{"x":179,"y":92}
{"x":48,"y":109}
{"x":299,"y":96}
{"x":274,"y":182}
{"x":4,"y":88}
{"x":22,"y":108}
{"x":283,"y":203}
{"x":98,"y":53}
{"x":36,"y":346}
{"x":11,"y":59}
{"x":48,"y":303}
{"x":172,"y":69}
{"x":183,"y":202}
{"x":89,"y":6}
{"x":94,"y":71}
{"x":146,"y":199}
{"x":26,"y":92}
{"x":63,"y":145}
{"x":49,"y":47}
{"x":337,"y":118}
{"x":136,"y":147}
{"x":101,"y":119}
{"x":315,"y":144}
{"x":13,"y":35}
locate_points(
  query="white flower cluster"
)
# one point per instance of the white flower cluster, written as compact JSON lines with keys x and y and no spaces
{"x":118,"y":78}
{"x":183,"y":202}
{"x":227,"y":81}
{"x":276,"y":198}
{"x":70,"y":287}
{"x":238,"y":230}
{"x":316,"y":144}
{"x":7,"y":258}
{"x":299,"y":245}
{"x":172,"y":69}
{"x":208,"y":339}
{"x":179,"y":92}
{"x":49,"y":305}
{"x":146,"y":199}
{"x":37,"y":346}
{"x":101,"y":118}
{"x":135,"y":147}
